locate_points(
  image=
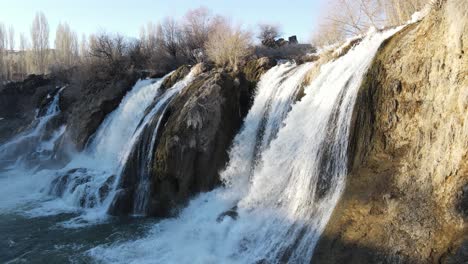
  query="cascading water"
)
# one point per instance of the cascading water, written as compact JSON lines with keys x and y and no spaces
{"x":281,"y":187}
{"x":276,"y":92}
{"x":92,"y":179}
{"x":139,"y":157}
{"x":37,"y":144}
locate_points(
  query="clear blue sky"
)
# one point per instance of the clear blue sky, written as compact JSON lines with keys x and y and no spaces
{"x":88,"y":16}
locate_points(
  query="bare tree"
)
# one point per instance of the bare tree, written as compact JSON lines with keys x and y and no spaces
{"x":11,"y":37}
{"x":66,"y":46}
{"x":268,"y":34}
{"x":84,"y":47}
{"x":3,"y":52}
{"x":40,"y":42}
{"x":330,"y":32}
{"x":107,"y":47}
{"x":10,"y":56}
{"x":196,"y":27}
{"x":108,"y":52}
{"x":169,"y":35}
{"x":149,"y":38}
{"x":400,"y":11}
{"x":228,"y":45}
{"x":355,"y":16}
{"x":351,"y":17}
{"x":22,"y":60}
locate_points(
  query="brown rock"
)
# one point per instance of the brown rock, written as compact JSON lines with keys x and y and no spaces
{"x":404,"y":198}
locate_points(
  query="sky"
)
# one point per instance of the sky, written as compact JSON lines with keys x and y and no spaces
{"x":296,"y":17}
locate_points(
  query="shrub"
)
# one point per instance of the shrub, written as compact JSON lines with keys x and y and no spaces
{"x":228,"y":45}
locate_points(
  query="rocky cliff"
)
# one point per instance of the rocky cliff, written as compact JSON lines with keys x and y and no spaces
{"x":406,"y":199}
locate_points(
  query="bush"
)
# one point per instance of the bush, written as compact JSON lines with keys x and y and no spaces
{"x":228,"y":45}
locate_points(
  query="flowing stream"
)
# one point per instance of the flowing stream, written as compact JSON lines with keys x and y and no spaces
{"x":286,"y":171}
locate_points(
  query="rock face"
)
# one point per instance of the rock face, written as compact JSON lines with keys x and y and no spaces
{"x":406,"y":196}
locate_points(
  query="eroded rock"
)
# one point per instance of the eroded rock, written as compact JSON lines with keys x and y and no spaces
{"x":404,"y":200}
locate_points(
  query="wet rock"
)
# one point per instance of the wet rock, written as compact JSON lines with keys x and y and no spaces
{"x":122,"y":204}
{"x":200,"y":126}
{"x":232,"y":213}
{"x":106,"y":187}
{"x":250,"y":75}
{"x":69,"y":181}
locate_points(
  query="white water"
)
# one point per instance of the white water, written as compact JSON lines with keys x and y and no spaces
{"x":35,"y":144}
{"x":283,"y":197}
{"x":105,"y":156}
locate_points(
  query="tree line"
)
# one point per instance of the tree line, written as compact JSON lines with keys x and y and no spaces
{"x":34,"y":54}
{"x":199,"y":36}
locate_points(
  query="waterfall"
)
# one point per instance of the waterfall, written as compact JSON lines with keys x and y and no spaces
{"x":139,"y":157}
{"x":92,"y":179}
{"x":275,"y":94}
{"x":287,"y":170}
{"x":35,"y":145}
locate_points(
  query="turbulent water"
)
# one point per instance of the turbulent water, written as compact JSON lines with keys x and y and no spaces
{"x":286,"y":172}
{"x":36,"y":144}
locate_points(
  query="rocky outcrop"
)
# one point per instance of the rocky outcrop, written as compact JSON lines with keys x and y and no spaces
{"x":191,"y":147}
{"x":405,"y":199}
{"x":200,"y":126}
